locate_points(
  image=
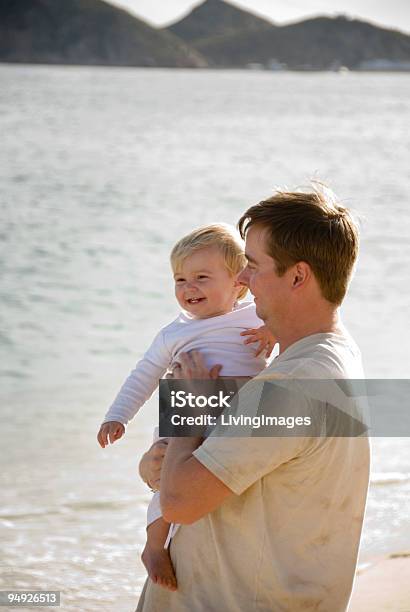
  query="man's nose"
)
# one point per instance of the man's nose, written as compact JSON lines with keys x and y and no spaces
{"x":243,"y":277}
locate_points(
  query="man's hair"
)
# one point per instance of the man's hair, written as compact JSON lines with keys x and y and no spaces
{"x":309,"y":227}
{"x":220,"y":235}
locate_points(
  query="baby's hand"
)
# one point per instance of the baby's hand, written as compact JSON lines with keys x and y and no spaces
{"x":111,"y":431}
{"x":262,"y":335}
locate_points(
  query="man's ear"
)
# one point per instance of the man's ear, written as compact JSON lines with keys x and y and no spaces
{"x":301,"y":274}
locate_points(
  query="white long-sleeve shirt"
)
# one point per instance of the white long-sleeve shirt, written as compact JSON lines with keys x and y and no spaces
{"x":218,"y":339}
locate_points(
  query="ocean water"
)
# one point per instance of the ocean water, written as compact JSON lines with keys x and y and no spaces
{"x":101,"y":171}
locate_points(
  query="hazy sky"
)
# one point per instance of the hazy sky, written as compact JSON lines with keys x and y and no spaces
{"x":389,"y":13}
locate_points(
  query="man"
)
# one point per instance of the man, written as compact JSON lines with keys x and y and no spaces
{"x":274,"y":523}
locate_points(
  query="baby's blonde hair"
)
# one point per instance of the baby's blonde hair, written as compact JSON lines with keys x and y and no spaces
{"x":220,"y":235}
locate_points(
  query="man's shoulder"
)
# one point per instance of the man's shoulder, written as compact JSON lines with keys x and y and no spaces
{"x":320,"y":356}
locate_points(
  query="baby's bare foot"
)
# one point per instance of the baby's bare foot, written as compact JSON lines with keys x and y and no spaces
{"x":159,"y":567}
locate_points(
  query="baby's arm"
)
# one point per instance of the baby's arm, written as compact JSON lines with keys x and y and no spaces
{"x":136,"y":390}
{"x":262,"y":335}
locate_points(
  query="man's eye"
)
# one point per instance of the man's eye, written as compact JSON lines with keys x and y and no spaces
{"x":179,"y":280}
{"x":202,"y":276}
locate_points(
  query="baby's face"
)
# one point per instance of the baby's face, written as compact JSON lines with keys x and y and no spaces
{"x":203,"y":285}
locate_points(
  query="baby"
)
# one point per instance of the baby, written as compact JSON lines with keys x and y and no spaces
{"x":206,"y":264}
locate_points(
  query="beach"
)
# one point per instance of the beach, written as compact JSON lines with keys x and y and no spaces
{"x":383,"y":585}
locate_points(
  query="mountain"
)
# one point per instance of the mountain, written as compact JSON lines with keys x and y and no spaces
{"x":219,"y":32}
{"x":215,"y":34}
{"x":214,"y":18}
{"x":88,"y":32}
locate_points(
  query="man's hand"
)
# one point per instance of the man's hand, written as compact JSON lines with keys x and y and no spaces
{"x":262,"y":335}
{"x":151,"y":464}
{"x":110,"y":432}
{"x":189,"y":490}
{"x":191,"y":366}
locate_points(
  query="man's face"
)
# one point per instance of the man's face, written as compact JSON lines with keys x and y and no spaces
{"x":271,"y":292}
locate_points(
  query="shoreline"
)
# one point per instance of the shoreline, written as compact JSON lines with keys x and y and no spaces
{"x":299,"y":71}
{"x":382,"y":584}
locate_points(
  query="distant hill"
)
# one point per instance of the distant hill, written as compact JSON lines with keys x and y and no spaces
{"x":215,"y":34}
{"x":86,"y":32}
{"x":219,"y":32}
{"x":215,"y":18}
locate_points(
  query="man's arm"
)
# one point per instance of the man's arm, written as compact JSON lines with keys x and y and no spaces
{"x":188,"y":489}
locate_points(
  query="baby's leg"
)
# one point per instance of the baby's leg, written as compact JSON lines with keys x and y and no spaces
{"x":156,"y":558}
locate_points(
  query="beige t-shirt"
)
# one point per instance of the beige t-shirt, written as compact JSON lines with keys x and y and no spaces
{"x":288,"y":539}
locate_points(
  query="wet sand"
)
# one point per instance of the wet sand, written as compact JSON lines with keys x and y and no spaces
{"x":383,"y":585}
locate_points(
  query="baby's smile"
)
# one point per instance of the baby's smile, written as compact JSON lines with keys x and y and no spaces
{"x":204,"y":286}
